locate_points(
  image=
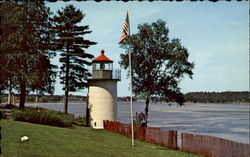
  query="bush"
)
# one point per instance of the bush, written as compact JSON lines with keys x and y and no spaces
{"x":43,"y":116}
{"x":8,"y":106}
{"x":140,"y":119}
{"x":2,"y":115}
{"x":80,"y":121}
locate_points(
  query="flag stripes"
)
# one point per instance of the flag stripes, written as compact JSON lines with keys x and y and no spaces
{"x":125,"y":29}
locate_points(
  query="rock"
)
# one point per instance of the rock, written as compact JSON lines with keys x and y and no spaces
{"x":76,"y":116}
{"x":25,"y":138}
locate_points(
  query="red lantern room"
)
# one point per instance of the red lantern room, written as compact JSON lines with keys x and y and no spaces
{"x":102,"y":67}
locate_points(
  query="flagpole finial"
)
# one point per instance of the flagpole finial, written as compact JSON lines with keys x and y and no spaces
{"x":102,"y":51}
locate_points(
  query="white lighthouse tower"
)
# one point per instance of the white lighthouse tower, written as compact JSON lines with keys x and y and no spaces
{"x":102,"y":92}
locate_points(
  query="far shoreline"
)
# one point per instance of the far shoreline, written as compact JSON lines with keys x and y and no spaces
{"x":141,"y":101}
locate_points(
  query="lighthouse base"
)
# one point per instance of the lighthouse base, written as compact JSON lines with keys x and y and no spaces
{"x":102,"y":102}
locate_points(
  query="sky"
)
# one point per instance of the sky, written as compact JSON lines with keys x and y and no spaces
{"x":216,"y":35}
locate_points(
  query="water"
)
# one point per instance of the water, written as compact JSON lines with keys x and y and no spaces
{"x":229,"y":121}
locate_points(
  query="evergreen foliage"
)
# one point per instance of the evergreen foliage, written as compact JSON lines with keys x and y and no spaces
{"x":218,"y":97}
{"x":158,"y":63}
{"x":9,"y":13}
{"x":72,"y":44}
{"x":25,"y":45}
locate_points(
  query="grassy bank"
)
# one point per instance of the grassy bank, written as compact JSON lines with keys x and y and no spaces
{"x":47,"y":141}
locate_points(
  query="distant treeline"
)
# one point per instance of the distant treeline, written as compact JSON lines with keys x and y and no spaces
{"x":45,"y":98}
{"x":196,"y":97}
{"x":55,"y":98}
{"x":218,"y":97}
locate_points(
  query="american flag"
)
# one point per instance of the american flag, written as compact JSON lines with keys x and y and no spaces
{"x":125,"y":29}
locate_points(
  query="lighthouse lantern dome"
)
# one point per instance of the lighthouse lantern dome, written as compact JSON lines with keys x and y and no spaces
{"x":102,"y":67}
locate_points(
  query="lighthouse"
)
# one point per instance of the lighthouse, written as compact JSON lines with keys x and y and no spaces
{"x":102,"y":92}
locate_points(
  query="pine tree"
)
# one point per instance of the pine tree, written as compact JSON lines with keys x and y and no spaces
{"x":25,"y":44}
{"x":9,"y":11}
{"x":72,"y":44}
{"x":43,"y":82}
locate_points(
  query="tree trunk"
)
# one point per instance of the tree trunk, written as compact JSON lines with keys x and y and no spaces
{"x":10,"y":91}
{"x":13,"y":100}
{"x":146,"y":109}
{"x":22,"y":94}
{"x":66,"y":101}
{"x":66,"y":84}
{"x":87,"y":110}
{"x":36,"y":98}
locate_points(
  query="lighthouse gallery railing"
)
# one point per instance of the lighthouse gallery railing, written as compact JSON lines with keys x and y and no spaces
{"x":116,"y":74}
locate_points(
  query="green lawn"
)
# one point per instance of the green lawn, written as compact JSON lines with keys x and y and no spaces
{"x":47,"y":141}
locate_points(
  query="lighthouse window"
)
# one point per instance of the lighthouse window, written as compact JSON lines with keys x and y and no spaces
{"x":97,"y":67}
{"x":102,"y":66}
{"x":107,"y":67}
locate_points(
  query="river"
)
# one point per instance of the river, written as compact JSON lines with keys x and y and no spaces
{"x":229,"y":121}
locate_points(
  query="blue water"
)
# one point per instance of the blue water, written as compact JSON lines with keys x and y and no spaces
{"x":229,"y":121}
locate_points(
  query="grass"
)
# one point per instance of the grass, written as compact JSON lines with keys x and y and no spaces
{"x":48,"y":141}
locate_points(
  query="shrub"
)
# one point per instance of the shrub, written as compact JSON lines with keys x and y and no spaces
{"x":2,"y":115}
{"x":7,"y":106}
{"x":43,"y":116}
{"x":80,"y":121}
{"x":140,"y":119}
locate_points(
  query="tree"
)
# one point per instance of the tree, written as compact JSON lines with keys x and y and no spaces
{"x":7,"y":79}
{"x":158,"y":64}
{"x":72,"y":44}
{"x":25,"y":45}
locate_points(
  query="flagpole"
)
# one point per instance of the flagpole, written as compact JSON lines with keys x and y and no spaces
{"x":131,"y":92}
